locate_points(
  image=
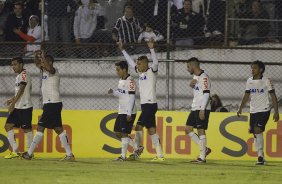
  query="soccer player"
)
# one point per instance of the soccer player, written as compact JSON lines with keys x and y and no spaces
{"x":148,"y":100}
{"x":199,"y":115}
{"x":52,"y":107}
{"x":127,"y":109}
{"x":20,"y":107}
{"x":259,"y":88}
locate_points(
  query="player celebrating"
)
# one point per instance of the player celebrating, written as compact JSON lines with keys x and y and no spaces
{"x":259,"y":88}
{"x":148,"y":100}
{"x":199,"y":116}
{"x":20,"y":107}
{"x":127,"y":108}
{"x":52,"y":106}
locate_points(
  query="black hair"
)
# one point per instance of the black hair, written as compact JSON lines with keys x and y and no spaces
{"x":50,"y":57}
{"x":122,"y":65}
{"x":18,"y":59}
{"x":260,"y":65}
{"x":128,"y":4}
{"x":143,"y":58}
{"x":193,"y":59}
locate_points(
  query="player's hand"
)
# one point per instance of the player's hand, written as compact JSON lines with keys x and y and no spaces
{"x":193,"y":82}
{"x":120,"y":45}
{"x":275,"y":117}
{"x":239,"y":112}
{"x":17,"y":31}
{"x":150,"y":44}
{"x":202,"y":114}
{"x":128,"y":118}
{"x":8,"y":102}
{"x":111,"y":91}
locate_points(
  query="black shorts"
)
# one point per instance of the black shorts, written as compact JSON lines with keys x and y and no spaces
{"x":51,"y":116}
{"x":259,"y":120}
{"x":148,"y":115}
{"x":21,"y":118}
{"x":122,"y":125}
{"x":195,"y":121}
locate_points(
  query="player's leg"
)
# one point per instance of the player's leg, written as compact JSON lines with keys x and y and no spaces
{"x":190,"y":123}
{"x":202,"y":143}
{"x":29,"y":137}
{"x":11,"y":122}
{"x":260,"y":120}
{"x":26,"y":117}
{"x":119,"y":127}
{"x":65,"y":142}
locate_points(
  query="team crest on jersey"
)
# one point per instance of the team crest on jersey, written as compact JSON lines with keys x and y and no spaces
{"x":143,"y":78}
{"x":257,"y":90}
{"x":196,"y":88}
{"x":121,"y":91}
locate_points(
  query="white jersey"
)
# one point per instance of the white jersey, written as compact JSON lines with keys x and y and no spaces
{"x":24,"y":101}
{"x":125,"y":89}
{"x":259,"y":92}
{"x":51,"y":87}
{"x":147,"y":86}
{"x":202,"y":86}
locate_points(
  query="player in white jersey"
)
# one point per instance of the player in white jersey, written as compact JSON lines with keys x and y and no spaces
{"x":259,"y":88}
{"x":127,"y":109}
{"x":52,"y":107}
{"x":20,"y":107}
{"x":199,"y":115}
{"x":148,"y":100}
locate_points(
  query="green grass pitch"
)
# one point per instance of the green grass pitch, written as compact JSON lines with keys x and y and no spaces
{"x":104,"y":171}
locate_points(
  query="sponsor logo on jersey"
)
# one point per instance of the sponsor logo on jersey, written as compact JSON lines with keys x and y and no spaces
{"x":257,"y":90}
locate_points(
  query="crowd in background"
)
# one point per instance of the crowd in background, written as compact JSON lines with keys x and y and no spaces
{"x":192,"y":22}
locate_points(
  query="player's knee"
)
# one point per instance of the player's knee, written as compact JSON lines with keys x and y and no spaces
{"x":8,"y":127}
{"x":257,"y":130}
{"x":27,"y":130}
{"x":118,"y":134}
{"x":152,"y":131}
{"x":201,"y":132}
{"x":58,"y":130}
{"x":138,"y":128}
{"x":40,"y":129}
{"x":188,"y":129}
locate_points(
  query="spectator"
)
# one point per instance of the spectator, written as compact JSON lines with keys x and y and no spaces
{"x":127,"y":28}
{"x":188,"y":24}
{"x":214,"y":14}
{"x":15,"y":20}
{"x":256,"y":31}
{"x":216,"y":104}
{"x":150,"y":34}
{"x":3,"y":17}
{"x":197,"y":5}
{"x":33,"y":35}
{"x":111,"y":12}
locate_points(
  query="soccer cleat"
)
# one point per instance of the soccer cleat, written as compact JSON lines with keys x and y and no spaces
{"x":208,"y":151}
{"x":137,"y":153}
{"x":157,"y":159}
{"x":120,"y":159}
{"x":12,"y":155}
{"x":26,"y":156}
{"x":198,"y":160}
{"x":68,"y":158}
{"x":260,"y":161}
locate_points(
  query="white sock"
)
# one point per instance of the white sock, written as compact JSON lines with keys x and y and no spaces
{"x":29,"y":138}
{"x":12,"y":140}
{"x":64,"y":140}
{"x":138,"y":138}
{"x":255,"y":143}
{"x":194,"y":138}
{"x":260,"y":144}
{"x":124,"y":146}
{"x":203,"y":146}
{"x":36,"y":140}
{"x":132,"y":143}
{"x":156,"y":142}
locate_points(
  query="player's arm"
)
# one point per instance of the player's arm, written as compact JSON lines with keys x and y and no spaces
{"x":49,"y":68}
{"x":153,"y":55}
{"x":243,"y":102}
{"x":37,"y":61}
{"x":17,"y":97}
{"x":131,"y":102}
{"x":129,"y":60}
{"x":114,"y":92}
{"x":205,"y":85}
{"x":271,"y":91}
